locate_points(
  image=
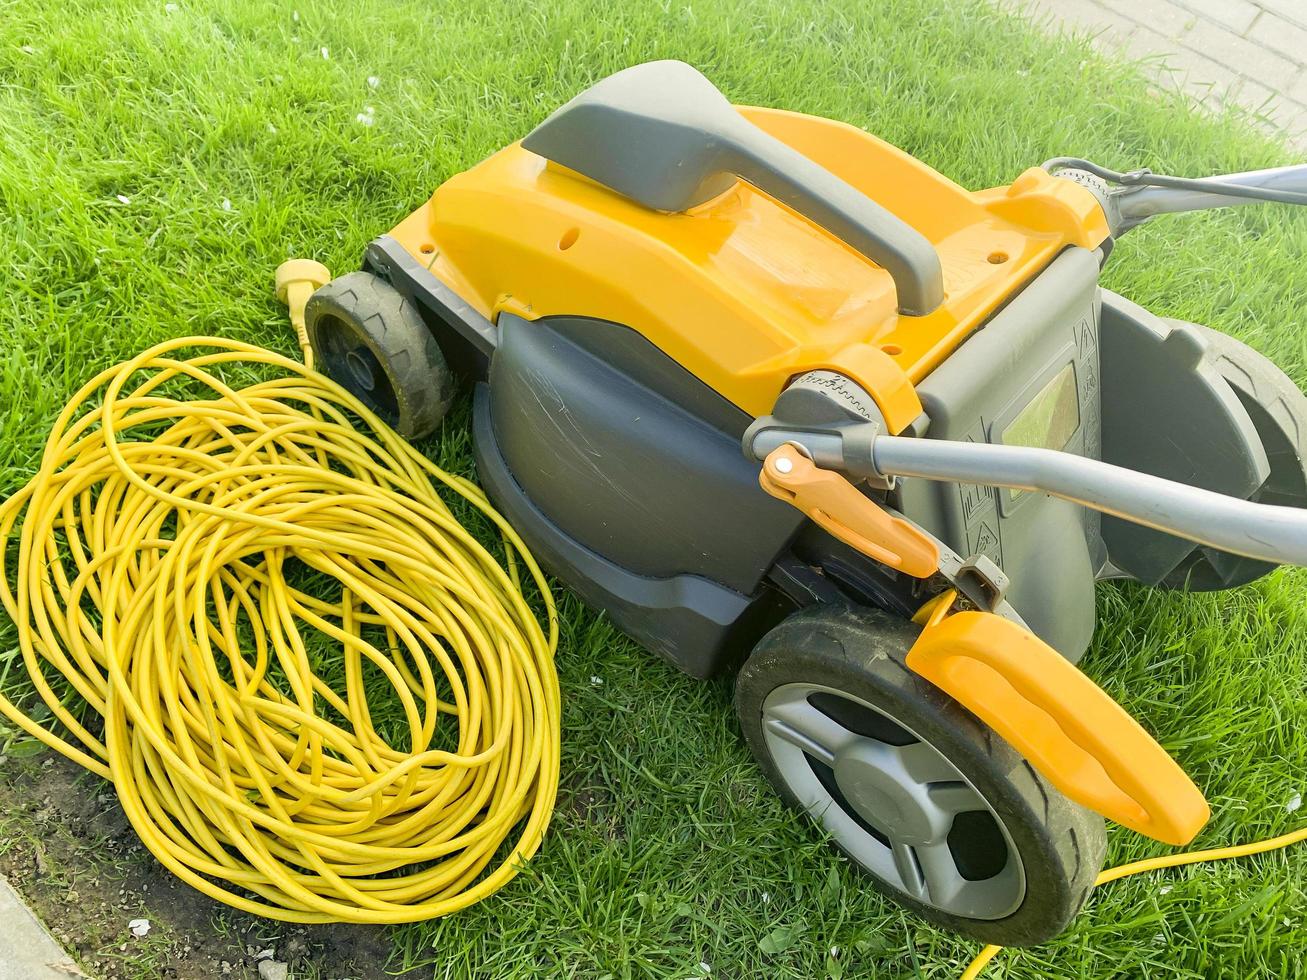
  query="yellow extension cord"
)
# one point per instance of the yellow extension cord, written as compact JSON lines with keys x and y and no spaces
{"x":156,"y":551}
{"x":977,"y":965}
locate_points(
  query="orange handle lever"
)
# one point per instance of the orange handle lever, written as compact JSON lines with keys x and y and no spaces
{"x":835,"y":504}
{"x":1069,"y":728}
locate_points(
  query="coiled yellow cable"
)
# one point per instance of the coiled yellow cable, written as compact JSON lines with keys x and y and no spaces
{"x":163,"y":552}
{"x":977,"y":965}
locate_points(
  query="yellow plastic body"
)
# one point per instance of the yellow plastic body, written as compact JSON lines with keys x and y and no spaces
{"x":1068,"y":727}
{"x":741,"y":291}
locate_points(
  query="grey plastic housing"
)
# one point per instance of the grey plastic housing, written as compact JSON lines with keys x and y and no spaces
{"x":621,"y":467}
{"x":623,"y":472}
{"x":1168,"y":412}
{"x":1278,"y":410}
{"x":1049,"y":548}
{"x":698,"y":625}
{"x":664,"y":136}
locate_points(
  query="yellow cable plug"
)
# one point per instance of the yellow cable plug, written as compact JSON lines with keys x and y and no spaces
{"x":297,"y":279}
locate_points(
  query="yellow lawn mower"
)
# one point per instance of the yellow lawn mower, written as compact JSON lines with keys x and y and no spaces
{"x":939,"y":409}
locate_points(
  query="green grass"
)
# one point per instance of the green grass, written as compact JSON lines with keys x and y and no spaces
{"x":155,"y":166}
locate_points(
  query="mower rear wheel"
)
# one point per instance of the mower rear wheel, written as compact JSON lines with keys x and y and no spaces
{"x":943,"y":815}
{"x":368,"y":337}
{"x":1278,"y":410}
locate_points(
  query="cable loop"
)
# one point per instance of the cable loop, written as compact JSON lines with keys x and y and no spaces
{"x":317,"y":695}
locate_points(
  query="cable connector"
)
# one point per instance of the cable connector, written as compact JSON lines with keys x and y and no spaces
{"x":296,"y":281}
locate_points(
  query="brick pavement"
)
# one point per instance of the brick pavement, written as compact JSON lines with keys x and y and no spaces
{"x":1246,"y":53}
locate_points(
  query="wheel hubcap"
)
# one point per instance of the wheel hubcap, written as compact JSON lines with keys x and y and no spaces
{"x":894,"y":802}
{"x":347,"y":358}
{"x":872,"y":778}
{"x":360,"y":371}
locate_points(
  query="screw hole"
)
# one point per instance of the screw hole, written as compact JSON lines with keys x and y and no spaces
{"x":997,"y":258}
{"x":427,"y":248}
{"x":569,"y":239}
{"x":893,"y":350}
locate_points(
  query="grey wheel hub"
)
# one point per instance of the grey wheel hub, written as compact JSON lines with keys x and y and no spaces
{"x":872,"y":777}
{"x":893,"y":802}
{"x":360,"y":371}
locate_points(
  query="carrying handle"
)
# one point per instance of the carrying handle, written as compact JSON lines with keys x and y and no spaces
{"x":1068,"y":727}
{"x":804,"y":186}
{"x":664,"y":136}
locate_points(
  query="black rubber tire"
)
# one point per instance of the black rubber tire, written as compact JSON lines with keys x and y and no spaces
{"x":368,"y":337}
{"x":862,"y":651}
{"x":1278,"y":410}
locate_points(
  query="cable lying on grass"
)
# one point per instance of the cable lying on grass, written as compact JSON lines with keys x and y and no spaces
{"x":160,"y":549}
{"x":978,"y":963}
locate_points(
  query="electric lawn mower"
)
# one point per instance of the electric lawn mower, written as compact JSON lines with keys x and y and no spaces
{"x":939,"y":409}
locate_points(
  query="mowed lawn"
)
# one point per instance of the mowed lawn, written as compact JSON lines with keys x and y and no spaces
{"x":158,"y":161}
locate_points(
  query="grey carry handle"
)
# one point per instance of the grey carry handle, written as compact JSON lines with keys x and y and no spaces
{"x":1266,"y":532}
{"x":664,"y":136}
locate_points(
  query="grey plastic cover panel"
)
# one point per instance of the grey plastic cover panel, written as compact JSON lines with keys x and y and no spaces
{"x":621,"y":466}
{"x":626,"y":351}
{"x":689,"y":620}
{"x":1050,"y":549}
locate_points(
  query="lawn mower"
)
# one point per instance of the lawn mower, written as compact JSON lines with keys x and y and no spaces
{"x":950,"y":432}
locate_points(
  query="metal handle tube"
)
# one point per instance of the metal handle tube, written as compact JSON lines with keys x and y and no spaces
{"x":1136,"y":204}
{"x":1263,"y":531}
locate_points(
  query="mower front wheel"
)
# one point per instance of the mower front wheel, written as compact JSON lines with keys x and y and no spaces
{"x":942,"y":814}
{"x":368,"y":337}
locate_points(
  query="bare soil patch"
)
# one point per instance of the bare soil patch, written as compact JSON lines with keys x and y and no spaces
{"x":68,"y":849}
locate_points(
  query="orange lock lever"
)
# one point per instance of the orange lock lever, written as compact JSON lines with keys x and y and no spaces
{"x":834,"y":504}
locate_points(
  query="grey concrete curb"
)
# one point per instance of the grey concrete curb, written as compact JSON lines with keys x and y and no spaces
{"x":1246,"y":53}
{"x":27,"y":950}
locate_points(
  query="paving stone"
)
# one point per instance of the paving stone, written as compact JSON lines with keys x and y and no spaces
{"x":1237,"y":15}
{"x":1291,"y":10}
{"x":1247,"y":54}
{"x":1280,"y":35}
{"x":27,"y":951}
{"x":1249,"y":58}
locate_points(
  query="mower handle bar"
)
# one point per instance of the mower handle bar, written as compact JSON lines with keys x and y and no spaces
{"x":1266,"y":532}
{"x":1137,"y":203}
{"x":1129,"y":199}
